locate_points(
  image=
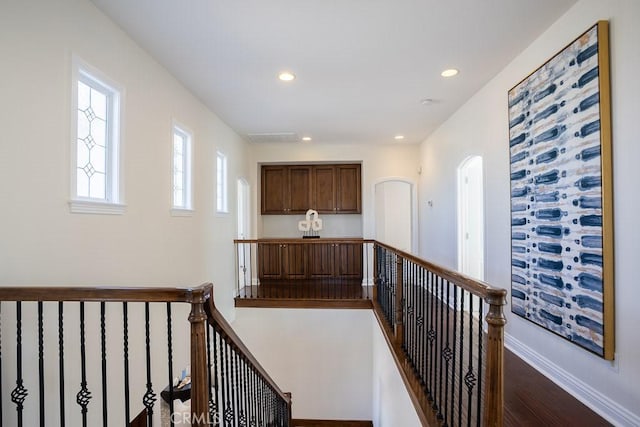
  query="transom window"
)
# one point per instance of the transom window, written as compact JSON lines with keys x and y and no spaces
{"x":222,"y":198}
{"x":181,"y":168}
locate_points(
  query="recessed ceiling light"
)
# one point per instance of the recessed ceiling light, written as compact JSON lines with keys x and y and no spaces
{"x":449,"y":72}
{"x":398,"y":137}
{"x":427,"y":101}
{"x":286,"y":76}
{"x":306,"y":138}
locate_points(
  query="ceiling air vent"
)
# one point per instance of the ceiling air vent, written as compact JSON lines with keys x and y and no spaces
{"x":274,"y":137}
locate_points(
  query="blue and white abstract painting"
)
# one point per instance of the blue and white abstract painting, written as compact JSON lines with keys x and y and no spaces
{"x":556,"y":196}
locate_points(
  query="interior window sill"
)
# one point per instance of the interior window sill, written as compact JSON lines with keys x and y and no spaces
{"x":182,"y":212}
{"x":96,"y":207}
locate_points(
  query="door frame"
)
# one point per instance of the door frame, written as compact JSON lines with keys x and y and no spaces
{"x":413,"y":201}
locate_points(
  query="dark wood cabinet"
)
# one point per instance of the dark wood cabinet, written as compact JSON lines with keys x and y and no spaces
{"x":327,"y":188}
{"x":335,"y":260}
{"x":273,"y":189}
{"x":295,"y":259}
{"x":282,"y":260}
{"x":270,"y":260}
{"x":322,"y":260}
{"x":285,"y":189}
{"x":324,"y":188}
{"x":299,"y":180}
{"x":348,"y":197}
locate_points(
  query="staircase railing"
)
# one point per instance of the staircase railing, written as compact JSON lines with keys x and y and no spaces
{"x":446,"y":330}
{"x":95,"y":356}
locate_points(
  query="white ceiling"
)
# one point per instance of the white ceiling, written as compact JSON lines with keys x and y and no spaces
{"x":362,"y":66}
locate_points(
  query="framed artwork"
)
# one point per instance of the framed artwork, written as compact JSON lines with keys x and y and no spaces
{"x":561,"y":194}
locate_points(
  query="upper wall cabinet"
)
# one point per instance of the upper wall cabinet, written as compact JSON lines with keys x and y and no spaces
{"x":285,"y":189}
{"x":327,"y":188}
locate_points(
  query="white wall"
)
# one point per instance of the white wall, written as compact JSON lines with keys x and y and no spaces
{"x":393,"y":160}
{"x":323,"y":357}
{"x":42,"y":243}
{"x":480,"y":127}
{"x":392,"y":406}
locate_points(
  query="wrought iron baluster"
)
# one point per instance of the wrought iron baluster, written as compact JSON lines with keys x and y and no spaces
{"x":407,"y":313}
{"x":431,"y":337}
{"x":228,"y":411}
{"x":19,"y":394}
{"x":170,"y":362}
{"x":263,"y":404}
{"x":234,"y":384}
{"x":420,"y":321}
{"x":480,"y":359}
{"x":460,"y":367}
{"x":84,"y":395}
{"x":414,"y":316}
{"x":125,"y":345}
{"x":242,"y":415}
{"x":41,"y":363}
{"x":439,"y":341}
{"x":149,"y":398}
{"x":254,"y":398}
{"x":61,"y":360}
{"x":470,"y":378}
{"x":223,"y":378}
{"x":453,"y":363}
{"x":447,"y":353}
{"x":103,"y":346}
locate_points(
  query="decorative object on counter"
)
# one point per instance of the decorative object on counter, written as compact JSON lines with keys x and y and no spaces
{"x":311,"y":225}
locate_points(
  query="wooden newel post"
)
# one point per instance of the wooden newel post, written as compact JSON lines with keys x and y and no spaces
{"x":399,"y":322}
{"x":494,"y":385}
{"x":199,"y":379}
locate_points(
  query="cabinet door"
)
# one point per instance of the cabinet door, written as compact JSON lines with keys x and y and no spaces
{"x":324,"y":188}
{"x":295,"y":262}
{"x":270,"y":260}
{"x":348,"y":189}
{"x":349,"y":260}
{"x":321,"y":260}
{"x":299,"y":193}
{"x":273,"y":194}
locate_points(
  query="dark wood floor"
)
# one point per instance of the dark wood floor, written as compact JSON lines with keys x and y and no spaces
{"x":533,"y":400}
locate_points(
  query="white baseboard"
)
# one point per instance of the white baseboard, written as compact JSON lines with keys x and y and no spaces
{"x":599,"y":403}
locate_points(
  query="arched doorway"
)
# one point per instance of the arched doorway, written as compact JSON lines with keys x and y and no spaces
{"x":395,"y":213}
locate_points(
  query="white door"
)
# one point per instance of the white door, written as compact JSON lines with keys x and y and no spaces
{"x":394,"y":213}
{"x":243,"y":254}
{"x":471,"y":224}
{"x":471,"y":218}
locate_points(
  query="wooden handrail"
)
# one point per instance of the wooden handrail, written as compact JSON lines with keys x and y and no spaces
{"x":97,"y":294}
{"x":302,"y":240}
{"x":476,"y":287}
